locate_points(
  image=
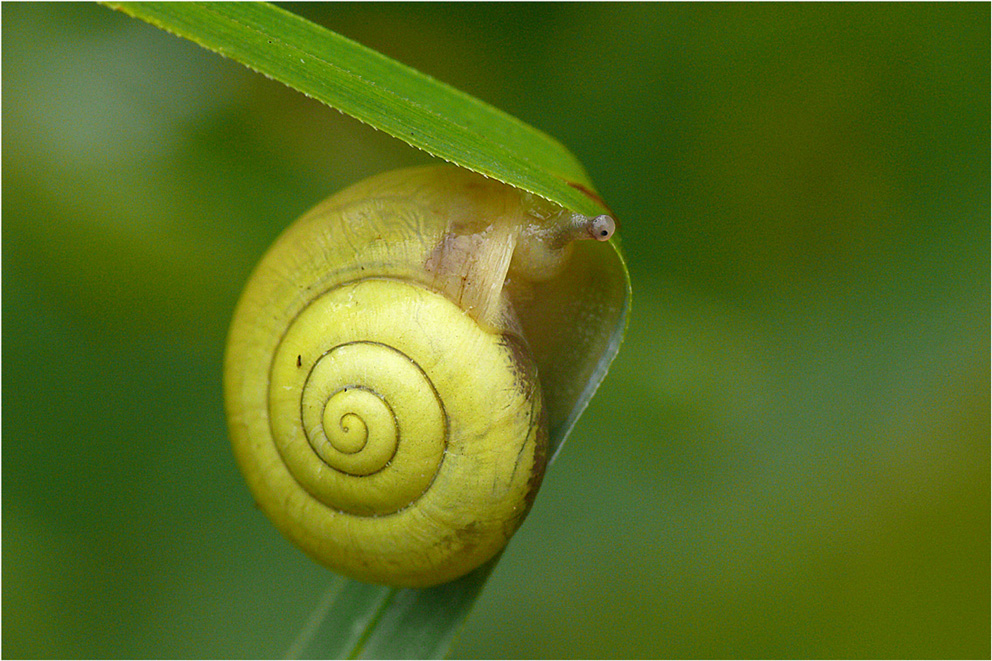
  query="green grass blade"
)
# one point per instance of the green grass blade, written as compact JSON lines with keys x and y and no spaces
{"x":357,"y":620}
{"x":341,"y":621}
{"x":381,"y":92}
{"x":422,"y":624}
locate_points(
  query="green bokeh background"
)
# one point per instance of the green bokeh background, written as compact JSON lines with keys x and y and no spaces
{"x":790,"y":456}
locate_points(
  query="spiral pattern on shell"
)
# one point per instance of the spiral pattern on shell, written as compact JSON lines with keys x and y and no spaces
{"x":401,"y":443}
{"x":339,"y":405}
{"x":342,"y":395}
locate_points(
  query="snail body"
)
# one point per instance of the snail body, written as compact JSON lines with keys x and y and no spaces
{"x":383,"y":396}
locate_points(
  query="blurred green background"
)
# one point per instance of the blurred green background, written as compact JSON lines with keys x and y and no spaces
{"x":790,"y":456}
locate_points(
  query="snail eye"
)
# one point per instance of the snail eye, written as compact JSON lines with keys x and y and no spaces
{"x":603,"y":228}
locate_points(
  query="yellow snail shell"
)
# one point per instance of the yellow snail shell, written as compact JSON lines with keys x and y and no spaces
{"x":393,"y":369}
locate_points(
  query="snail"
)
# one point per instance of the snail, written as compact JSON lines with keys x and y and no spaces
{"x":395,"y":375}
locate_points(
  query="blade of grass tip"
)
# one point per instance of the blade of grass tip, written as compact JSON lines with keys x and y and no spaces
{"x":341,"y":621}
{"x":381,"y":92}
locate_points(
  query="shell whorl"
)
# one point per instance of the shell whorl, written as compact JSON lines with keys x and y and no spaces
{"x":391,"y":433}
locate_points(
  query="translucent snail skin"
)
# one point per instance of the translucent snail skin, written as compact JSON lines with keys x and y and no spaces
{"x":392,"y":370}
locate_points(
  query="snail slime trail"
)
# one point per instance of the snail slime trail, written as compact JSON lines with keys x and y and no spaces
{"x":383,"y":397}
